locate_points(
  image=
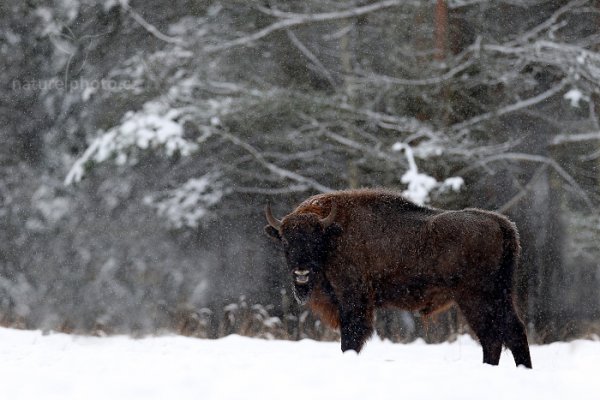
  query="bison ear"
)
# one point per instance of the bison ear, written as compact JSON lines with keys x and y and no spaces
{"x":272,"y":232}
{"x":333,"y":230}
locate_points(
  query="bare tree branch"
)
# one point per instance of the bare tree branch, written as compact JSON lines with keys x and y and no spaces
{"x":271,"y":191}
{"x":362,"y":148}
{"x":455,"y":4}
{"x":523,"y":192}
{"x":547,"y":24}
{"x":289,"y":20}
{"x":374,"y":78}
{"x":344,"y":14}
{"x":589,"y":157}
{"x":511,"y":108}
{"x":394,"y":122}
{"x":309,"y":54}
{"x":534,"y":158}
{"x":573,"y":138}
{"x":284,"y":173}
{"x":149,"y":27}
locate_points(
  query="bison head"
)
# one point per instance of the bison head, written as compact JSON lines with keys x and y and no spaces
{"x":306,"y":240}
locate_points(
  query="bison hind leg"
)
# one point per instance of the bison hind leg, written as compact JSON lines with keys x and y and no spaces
{"x":515,"y":338}
{"x":495,"y":322}
{"x":492,"y":348}
{"x":485,"y":324}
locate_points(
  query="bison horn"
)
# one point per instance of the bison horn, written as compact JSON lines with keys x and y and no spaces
{"x":325,"y":222}
{"x":274,"y":222}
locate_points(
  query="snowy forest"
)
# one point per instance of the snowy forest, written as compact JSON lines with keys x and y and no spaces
{"x":141,"y":140}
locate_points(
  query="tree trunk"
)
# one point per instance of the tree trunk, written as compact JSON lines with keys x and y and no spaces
{"x":441,"y":30}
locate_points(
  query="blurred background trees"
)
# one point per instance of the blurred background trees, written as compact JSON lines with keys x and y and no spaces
{"x":141,"y":140}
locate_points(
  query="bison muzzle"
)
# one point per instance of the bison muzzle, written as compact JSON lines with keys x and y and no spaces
{"x":351,"y":252}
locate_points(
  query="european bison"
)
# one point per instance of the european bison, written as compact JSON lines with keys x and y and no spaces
{"x":350,"y":252}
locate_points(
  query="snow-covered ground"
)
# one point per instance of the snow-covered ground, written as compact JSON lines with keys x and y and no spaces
{"x":58,"y":366}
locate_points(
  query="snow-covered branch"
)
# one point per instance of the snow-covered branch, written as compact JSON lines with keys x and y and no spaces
{"x":419,"y":184}
{"x":186,"y":205}
{"x":574,"y":60}
{"x":152,"y":127}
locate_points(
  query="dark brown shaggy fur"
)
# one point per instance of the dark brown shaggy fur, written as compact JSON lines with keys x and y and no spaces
{"x":384,"y":251}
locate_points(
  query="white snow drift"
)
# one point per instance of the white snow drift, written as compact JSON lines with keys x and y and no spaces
{"x":58,"y":366}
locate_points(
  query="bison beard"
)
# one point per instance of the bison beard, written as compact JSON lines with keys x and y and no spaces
{"x":301,"y":292}
{"x":351,"y":252}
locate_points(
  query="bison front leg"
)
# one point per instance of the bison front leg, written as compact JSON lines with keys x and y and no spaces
{"x":356,"y":320}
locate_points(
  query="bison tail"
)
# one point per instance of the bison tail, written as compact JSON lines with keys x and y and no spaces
{"x":511,"y":252}
{"x":512,"y":329}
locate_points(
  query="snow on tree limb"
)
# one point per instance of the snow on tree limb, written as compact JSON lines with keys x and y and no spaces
{"x":576,"y":61}
{"x":149,"y":128}
{"x":186,"y":205}
{"x":419,"y":184}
